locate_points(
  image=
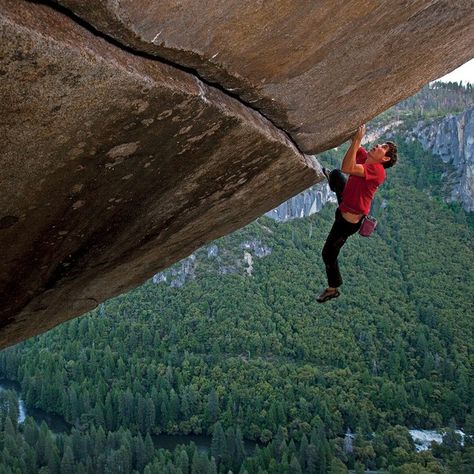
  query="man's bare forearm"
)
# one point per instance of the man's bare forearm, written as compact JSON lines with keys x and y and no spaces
{"x":349,"y":164}
{"x":349,"y":161}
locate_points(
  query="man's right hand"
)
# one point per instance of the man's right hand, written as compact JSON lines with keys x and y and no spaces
{"x":359,"y":134}
{"x":349,"y":162}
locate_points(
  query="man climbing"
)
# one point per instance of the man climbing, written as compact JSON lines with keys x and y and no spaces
{"x":366,"y":172}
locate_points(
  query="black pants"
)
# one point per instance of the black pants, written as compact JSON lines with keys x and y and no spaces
{"x":340,"y":231}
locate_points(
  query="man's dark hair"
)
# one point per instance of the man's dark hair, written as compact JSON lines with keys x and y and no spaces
{"x":392,"y":153}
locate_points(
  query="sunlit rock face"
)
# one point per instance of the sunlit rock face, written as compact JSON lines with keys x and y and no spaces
{"x":304,"y":204}
{"x":235,"y":260}
{"x":452,"y":139}
{"x":315,"y":68}
{"x":115,"y":166}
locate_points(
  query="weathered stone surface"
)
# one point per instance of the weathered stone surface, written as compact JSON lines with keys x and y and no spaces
{"x":304,"y":204}
{"x":452,"y":139}
{"x":115,"y":166}
{"x":315,"y":68}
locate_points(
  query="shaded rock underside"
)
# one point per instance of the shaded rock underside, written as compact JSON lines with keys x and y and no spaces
{"x":115,"y":165}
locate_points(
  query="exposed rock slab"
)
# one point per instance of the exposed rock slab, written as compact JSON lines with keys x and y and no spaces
{"x":115,"y":166}
{"x":452,"y":139}
{"x":315,"y":68}
{"x":304,"y":204}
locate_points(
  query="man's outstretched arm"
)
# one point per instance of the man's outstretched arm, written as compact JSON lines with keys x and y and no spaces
{"x":349,"y":165}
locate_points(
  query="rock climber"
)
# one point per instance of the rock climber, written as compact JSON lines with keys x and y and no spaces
{"x":366,"y":172}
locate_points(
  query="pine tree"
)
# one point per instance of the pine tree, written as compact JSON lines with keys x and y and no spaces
{"x":52,"y":456}
{"x":277,"y":444}
{"x":212,"y":407}
{"x":312,"y":460}
{"x":230,"y":451}
{"x":183,"y":461}
{"x":149,"y":415}
{"x":292,"y":447}
{"x":212,"y":466}
{"x":174,"y":407}
{"x":11,"y":439}
{"x":30,"y":431}
{"x":110,"y":416}
{"x":99,"y":416}
{"x":73,"y":404}
{"x":239,"y":454}
{"x":140,"y":413}
{"x":29,"y":458}
{"x":126,"y":402}
{"x":79,"y":448}
{"x":139,"y":453}
{"x":41,"y":444}
{"x":99,"y":441}
{"x":67,"y":462}
{"x":200,"y":464}
{"x":126,"y":455}
{"x":303,"y":451}
{"x":218,"y":444}
{"x":149,"y":449}
{"x":295,"y":467}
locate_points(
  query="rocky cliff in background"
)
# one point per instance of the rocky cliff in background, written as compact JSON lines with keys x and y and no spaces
{"x":304,"y":204}
{"x":144,"y":130}
{"x":452,"y":139}
{"x":223,"y":262}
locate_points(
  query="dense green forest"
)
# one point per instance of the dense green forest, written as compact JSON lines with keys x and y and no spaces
{"x":255,"y":357}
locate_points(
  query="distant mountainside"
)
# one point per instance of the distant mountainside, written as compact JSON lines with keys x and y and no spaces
{"x":434,"y":100}
{"x":303,"y":204}
{"x":452,"y":139}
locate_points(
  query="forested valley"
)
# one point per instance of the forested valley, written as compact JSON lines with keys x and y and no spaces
{"x":326,"y":388}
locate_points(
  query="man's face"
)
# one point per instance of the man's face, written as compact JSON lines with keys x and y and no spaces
{"x":377,"y":153}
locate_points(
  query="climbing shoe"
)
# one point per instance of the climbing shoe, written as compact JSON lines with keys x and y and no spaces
{"x":327,"y":295}
{"x":326,"y":173}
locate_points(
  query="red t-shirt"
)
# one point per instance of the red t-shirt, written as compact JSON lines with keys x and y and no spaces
{"x":359,"y":192}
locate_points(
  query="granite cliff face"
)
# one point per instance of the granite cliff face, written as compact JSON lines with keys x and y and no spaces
{"x":452,"y":139}
{"x":314,"y":68}
{"x":115,"y":166}
{"x":239,"y":261}
{"x":137,"y":134}
{"x":304,"y":204}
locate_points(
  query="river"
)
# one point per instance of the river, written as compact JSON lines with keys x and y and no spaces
{"x":57,"y":425}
